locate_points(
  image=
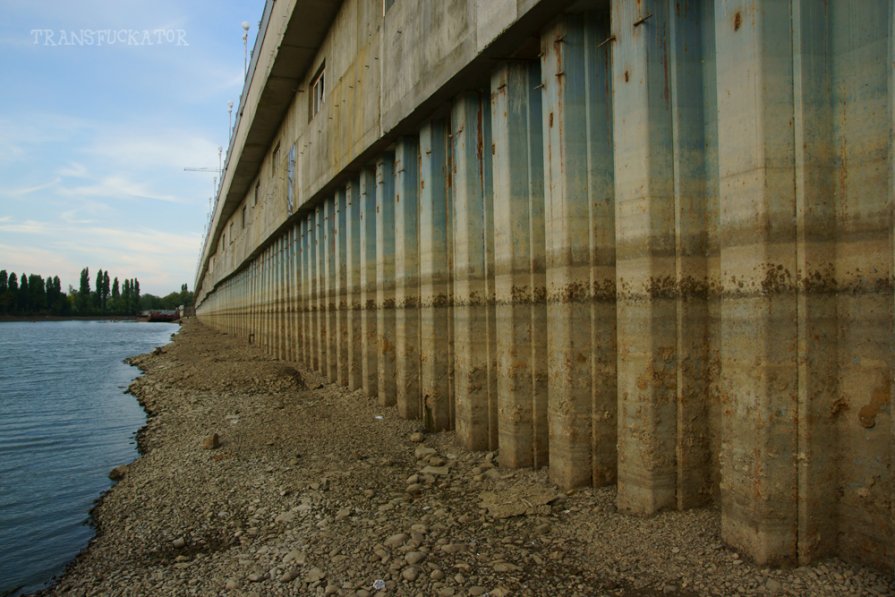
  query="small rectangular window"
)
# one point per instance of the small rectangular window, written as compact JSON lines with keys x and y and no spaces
{"x":290,"y":191}
{"x":231,"y":232}
{"x":275,"y":159}
{"x":257,"y":192}
{"x":244,"y":208}
{"x":318,"y":90}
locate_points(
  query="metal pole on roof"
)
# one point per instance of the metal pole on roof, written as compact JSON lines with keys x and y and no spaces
{"x":245,"y":48}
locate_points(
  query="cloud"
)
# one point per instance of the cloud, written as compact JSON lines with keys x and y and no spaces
{"x":160,"y":259}
{"x":27,"y":227}
{"x":73,"y":170}
{"x":23,"y":191}
{"x":138,"y":149}
{"x":117,"y":187}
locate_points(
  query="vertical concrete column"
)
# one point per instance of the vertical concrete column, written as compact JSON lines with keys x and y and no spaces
{"x":279,"y":296}
{"x":694,"y":130}
{"x":436,"y":344}
{"x":320,"y":271}
{"x":314,"y":258}
{"x":646,"y":190}
{"x":352,"y":282}
{"x":249,"y":305}
{"x":268,"y":300}
{"x":305,"y":285}
{"x":818,"y":371}
{"x":891,"y":95}
{"x":385,"y":277}
{"x":759,"y":358}
{"x":309,"y":289}
{"x":273,"y":296}
{"x":296,"y":292}
{"x":290,"y":295}
{"x":369,"y":337}
{"x":258,"y":301}
{"x":264,"y":323}
{"x":476,"y":407}
{"x":407,"y":280}
{"x":862,"y":96}
{"x":265,"y":300}
{"x":287,"y":294}
{"x":343,"y":338}
{"x":329,"y":269}
{"x":520,"y":275}
{"x":580,"y":250}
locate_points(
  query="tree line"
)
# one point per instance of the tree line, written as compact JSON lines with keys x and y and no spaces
{"x":31,"y":294}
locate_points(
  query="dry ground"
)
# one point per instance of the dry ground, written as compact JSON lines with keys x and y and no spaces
{"x":317,"y":490}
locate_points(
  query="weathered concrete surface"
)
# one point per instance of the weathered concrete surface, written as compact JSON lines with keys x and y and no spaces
{"x":638,"y":242}
{"x":520,"y":280}
{"x":407,"y":279}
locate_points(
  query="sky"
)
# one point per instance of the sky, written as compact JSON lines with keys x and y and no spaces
{"x":103,"y":103}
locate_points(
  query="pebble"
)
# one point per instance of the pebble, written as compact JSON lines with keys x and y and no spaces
{"x":505,"y":567}
{"x":424,"y":452}
{"x":118,"y":473}
{"x":258,"y":512}
{"x":414,"y":557}
{"x":211,"y":442}
{"x":395,"y":540}
{"x":289,"y":575}
{"x":315,"y":575}
{"x":410,"y":573}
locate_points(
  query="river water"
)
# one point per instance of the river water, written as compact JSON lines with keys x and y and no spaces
{"x":65,"y":421}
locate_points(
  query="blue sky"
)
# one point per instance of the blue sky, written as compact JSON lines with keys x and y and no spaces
{"x":103,"y":103}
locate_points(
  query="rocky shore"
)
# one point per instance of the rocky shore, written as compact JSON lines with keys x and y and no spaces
{"x":258,"y":478}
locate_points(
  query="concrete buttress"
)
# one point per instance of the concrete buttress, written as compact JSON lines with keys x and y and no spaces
{"x":436,"y":346}
{"x":647,"y":243}
{"x":521,"y":312}
{"x":369,"y":338}
{"x":385,"y":277}
{"x":407,"y":279}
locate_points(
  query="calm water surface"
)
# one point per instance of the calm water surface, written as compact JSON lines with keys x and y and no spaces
{"x":65,"y":421}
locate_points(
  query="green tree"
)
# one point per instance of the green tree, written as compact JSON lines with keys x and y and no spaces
{"x":4,"y":289}
{"x":12,"y":292}
{"x":136,"y":292}
{"x":83,"y":299}
{"x":98,"y":291}
{"x":63,"y":306}
{"x":116,"y":296}
{"x":23,"y":300}
{"x":37,"y":294}
{"x":106,"y":290}
{"x":126,"y":297}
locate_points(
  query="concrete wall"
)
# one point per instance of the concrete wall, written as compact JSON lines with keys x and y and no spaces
{"x":650,"y":246}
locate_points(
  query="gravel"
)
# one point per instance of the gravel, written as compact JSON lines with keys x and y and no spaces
{"x":259,"y":478}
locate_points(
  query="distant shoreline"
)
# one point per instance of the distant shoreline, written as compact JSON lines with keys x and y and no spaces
{"x":36,"y":318}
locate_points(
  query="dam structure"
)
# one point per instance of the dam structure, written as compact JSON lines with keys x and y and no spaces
{"x":642,"y":243}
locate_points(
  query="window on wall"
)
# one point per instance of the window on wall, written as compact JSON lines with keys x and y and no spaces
{"x":257,"y":192}
{"x":290,"y":190}
{"x":231,"y":232}
{"x":275,"y":160}
{"x":318,"y":90}
{"x":244,"y":208}
{"x":386,"y":4}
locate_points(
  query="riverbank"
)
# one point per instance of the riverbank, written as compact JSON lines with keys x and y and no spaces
{"x":317,"y":490}
{"x":34,"y":318}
